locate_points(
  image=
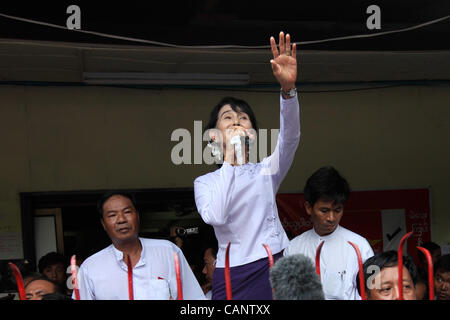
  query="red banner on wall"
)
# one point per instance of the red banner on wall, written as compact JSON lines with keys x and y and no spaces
{"x":382,"y":217}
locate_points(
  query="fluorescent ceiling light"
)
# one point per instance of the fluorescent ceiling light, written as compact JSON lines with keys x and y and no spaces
{"x":142,"y":78}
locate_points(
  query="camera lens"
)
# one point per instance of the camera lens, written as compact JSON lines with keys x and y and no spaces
{"x":181,"y":232}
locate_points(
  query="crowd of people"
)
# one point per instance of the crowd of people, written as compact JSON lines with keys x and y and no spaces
{"x":238,"y":201}
{"x":293,"y":276}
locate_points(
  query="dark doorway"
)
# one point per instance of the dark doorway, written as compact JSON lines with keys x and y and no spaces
{"x":83,"y":234}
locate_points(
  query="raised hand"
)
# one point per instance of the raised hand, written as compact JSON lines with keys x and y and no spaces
{"x":284,"y":62}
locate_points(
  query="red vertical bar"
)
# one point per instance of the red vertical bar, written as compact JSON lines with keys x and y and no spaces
{"x":227,"y":273}
{"x":269,"y":255}
{"x":400,"y":264}
{"x":73,"y":269}
{"x":130,"y":279}
{"x":360,"y":271}
{"x":19,"y":281}
{"x":177,"y":273}
{"x":430,"y":272}
{"x":318,"y":250}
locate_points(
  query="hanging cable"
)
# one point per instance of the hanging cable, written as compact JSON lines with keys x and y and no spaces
{"x":171,"y":45}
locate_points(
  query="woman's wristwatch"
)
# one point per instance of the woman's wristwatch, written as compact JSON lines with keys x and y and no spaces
{"x":289,"y":94}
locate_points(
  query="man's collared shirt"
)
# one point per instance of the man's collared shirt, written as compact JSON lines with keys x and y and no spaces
{"x":338,"y":261}
{"x":104,"y":275}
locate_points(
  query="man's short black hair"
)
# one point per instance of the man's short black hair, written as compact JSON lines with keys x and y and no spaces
{"x":213,"y":246}
{"x":49,"y":259}
{"x":326,"y":184}
{"x":443,"y":264}
{"x":110,"y":194}
{"x":387,"y":259}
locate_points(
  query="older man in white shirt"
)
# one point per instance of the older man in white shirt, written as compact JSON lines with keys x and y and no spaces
{"x":326,"y":192}
{"x":104,"y":275}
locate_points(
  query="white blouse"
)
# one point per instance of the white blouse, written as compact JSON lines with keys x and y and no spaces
{"x":239,"y":201}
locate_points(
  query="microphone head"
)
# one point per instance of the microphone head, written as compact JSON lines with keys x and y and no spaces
{"x":236,"y":140}
{"x":294,"y":278}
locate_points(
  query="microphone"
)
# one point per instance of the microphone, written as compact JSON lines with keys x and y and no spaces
{"x":236,"y":141}
{"x":294,"y":278}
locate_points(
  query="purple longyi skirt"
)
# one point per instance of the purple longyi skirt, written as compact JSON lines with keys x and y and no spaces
{"x":248,"y":282}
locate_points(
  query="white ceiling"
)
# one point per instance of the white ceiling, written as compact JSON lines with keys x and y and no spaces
{"x":22,"y":60}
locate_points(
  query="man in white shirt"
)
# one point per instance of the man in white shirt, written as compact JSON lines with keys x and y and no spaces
{"x":104,"y":275}
{"x":326,"y":192}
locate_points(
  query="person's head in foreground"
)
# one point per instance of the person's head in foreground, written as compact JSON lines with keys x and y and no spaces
{"x":294,"y":278}
{"x":40,"y":286}
{"x":442,"y":278}
{"x":381,"y":277}
{"x":326,"y":192}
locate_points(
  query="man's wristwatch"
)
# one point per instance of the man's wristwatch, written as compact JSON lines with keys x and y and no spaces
{"x":290,"y":94}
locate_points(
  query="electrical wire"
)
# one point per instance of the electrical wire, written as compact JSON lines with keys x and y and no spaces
{"x":206,"y":47}
{"x":171,"y":45}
